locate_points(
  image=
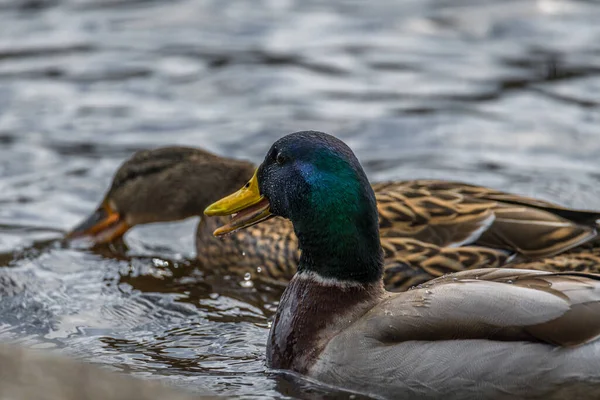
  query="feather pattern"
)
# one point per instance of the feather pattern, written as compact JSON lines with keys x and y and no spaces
{"x":429,"y":228}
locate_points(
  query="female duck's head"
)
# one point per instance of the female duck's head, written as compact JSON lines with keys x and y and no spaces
{"x":314,"y":180}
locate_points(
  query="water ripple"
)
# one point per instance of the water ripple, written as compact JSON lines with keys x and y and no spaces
{"x":496,"y":93}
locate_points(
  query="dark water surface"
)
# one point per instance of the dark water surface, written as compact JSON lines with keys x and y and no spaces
{"x":500,"y":93}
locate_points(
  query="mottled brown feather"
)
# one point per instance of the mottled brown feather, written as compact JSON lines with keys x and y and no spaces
{"x":454,"y":214}
{"x":428,"y":228}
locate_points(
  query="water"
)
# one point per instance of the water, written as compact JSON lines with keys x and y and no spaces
{"x":500,"y":93}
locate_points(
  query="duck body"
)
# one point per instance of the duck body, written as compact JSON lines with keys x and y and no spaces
{"x":483,"y":333}
{"x":428,"y":228}
{"x":422,"y":343}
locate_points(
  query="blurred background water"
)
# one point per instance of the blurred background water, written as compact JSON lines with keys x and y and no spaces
{"x":499,"y":93}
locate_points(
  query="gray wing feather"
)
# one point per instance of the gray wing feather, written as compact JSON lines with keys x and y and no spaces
{"x":501,"y":304}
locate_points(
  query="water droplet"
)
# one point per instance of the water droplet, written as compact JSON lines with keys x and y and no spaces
{"x":244,"y":253}
{"x":509,"y":282}
{"x":160,"y":263}
{"x":259,"y":270}
{"x":246,"y":284}
{"x":476,"y":277}
{"x":247,"y":276}
{"x":455,"y":279}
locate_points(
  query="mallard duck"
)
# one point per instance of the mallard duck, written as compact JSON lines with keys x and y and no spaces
{"x":485,"y":333}
{"x":428,"y":228}
{"x":32,"y":374}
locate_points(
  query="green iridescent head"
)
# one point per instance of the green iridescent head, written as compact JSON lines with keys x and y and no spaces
{"x":315,"y":180}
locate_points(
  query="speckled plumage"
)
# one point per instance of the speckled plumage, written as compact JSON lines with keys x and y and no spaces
{"x":428,"y":228}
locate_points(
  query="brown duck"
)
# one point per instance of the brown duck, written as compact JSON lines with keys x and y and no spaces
{"x":428,"y":228}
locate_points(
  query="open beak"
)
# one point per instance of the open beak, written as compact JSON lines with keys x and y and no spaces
{"x":246,"y":205}
{"x":103,"y":226}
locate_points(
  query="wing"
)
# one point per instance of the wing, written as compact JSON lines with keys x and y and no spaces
{"x":581,"y":259}
{"x":451,"y":214}
{"x":496,"y":304}
{"x":410,"y":262}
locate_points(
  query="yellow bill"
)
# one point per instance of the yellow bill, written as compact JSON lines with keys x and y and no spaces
{"x":247,"y":207}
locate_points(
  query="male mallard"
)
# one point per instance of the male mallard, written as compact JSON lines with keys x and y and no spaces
{"x":486,"y":333}
{"x":428,"y":228}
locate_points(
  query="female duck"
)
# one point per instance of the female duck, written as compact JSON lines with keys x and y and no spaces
{"x":488,"y":333}
{"x":428,"y":228}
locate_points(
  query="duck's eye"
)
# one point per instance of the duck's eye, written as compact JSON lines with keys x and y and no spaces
{"x":280,"y":159}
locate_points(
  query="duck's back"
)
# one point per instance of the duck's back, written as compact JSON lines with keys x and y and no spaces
{"x":478,"y":334}
{"x":453,"y":214}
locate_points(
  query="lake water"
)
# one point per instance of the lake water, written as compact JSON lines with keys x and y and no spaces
{"x":500,"y":93}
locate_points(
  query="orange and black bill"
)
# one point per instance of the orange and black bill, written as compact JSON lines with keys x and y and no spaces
{"x":103,"y":226}
{"x":247,"y":206}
